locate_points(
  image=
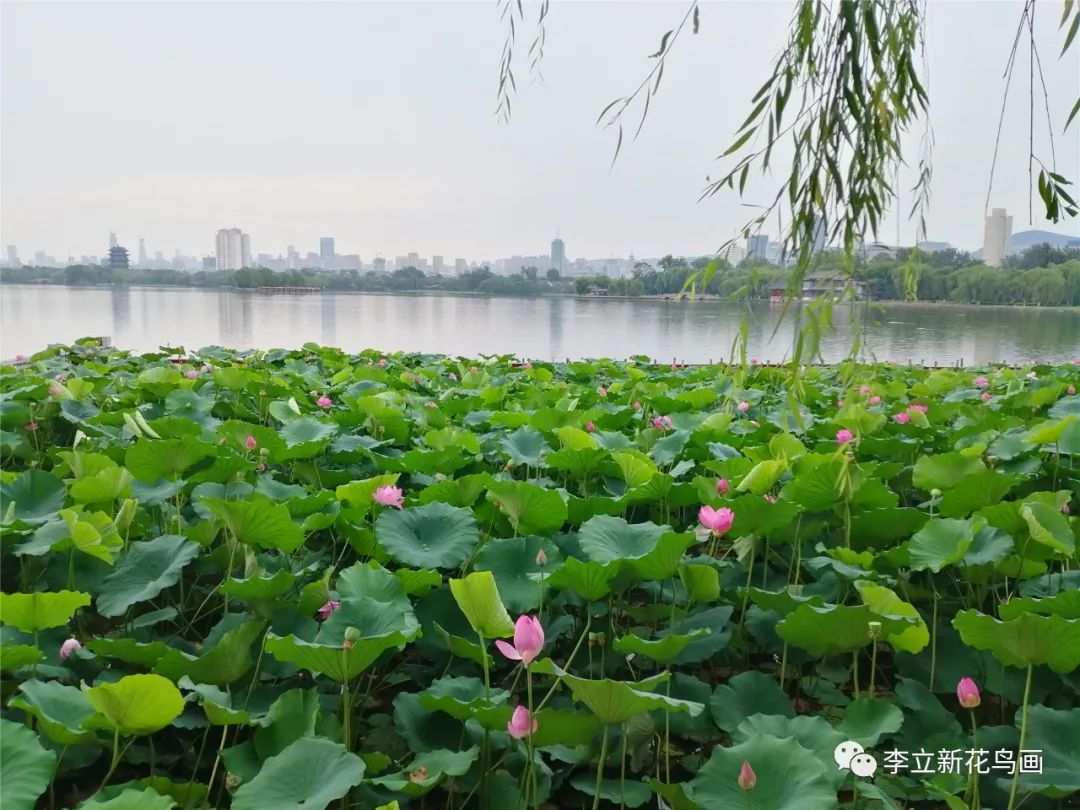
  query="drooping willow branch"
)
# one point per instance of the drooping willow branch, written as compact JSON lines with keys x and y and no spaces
{"x":512,"y":14}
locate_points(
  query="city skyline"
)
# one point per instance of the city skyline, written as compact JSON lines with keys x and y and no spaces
{"x":413,"y":159}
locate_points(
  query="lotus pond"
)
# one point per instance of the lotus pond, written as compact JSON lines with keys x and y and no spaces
{"x":303,"y":579}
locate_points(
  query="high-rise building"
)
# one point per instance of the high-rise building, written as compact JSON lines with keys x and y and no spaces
{"x":379,"y":265}
{"x":292,"y":258}
{"x":558,"y":254}
{"x":821,"y":233}
{"x":143,"y":258}
{"x":996,"y":237}
{"x":413,"y":260}
{"x":118,"y":258}
{"x":13,"y":256}
{"x":437,"y":265}
{"x":757,"y":246}
{"x":326,"y":247}
{"x":733,"y":253}
{"x":233,"y":249}
{"x":461,"y":267}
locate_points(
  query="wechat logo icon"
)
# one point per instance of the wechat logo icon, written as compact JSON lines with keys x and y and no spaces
{"x":850,"y":756}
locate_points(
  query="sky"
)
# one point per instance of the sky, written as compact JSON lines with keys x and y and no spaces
{"x":373,"y":122}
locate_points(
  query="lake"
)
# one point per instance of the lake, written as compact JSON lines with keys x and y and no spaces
{"x":145,"y":318}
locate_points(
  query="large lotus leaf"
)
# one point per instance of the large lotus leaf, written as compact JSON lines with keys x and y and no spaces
{"x":628,"y":793}
{"x":148,"y":568}
{"x":32,"y":497}
{"x":336,"y":662}
{"x":944,"y":470}
{"x":789,"y":777}
{"x":135,"y":704}
{"x":942,"y":542}
{"x":762,"y":477}
{"x":702,"y":648}
{"x":293,"y":715}
{"x":227,"y":659}
{"x":457,"y":491}
{"x":573,"y":438}
{"x":435,"y":535}
{"x":1026,"y":640}
{"x":663,"y":650}
{"x":812,"y":732}
{"x":553,"y":726}
{"x":40,"y":610}
{"x":461,"y":697}
{"x":529,"y":508}
{"x":880,"y":528}
{"x":215,"y":702}
{"x":615,"y":702}
{"x":980,"y":489}
{"x":108,"y":485}
{"x":1049,"y":527}
{"x":838,"y":629}
{"x":885,"y":602}
{"x":130,"y":651}
{"x":867,"y":720}
{"x":359,"y":495}
{"x":370,"y":617}
{"x":1065,"y":603}
{"x":428,"y":769}
{"x":525,"y":446}
{"x":308,"y":775}
{"x":702,"y":581}
{"x":815,"y":488}
{"x":513,"y":563}
{"x":307,"y":430}
{"x":61,"y":710}
{"x":589,"y":580}
{"x":1055,"y":732}
{"x":150,"y":460}
{"x":259,"y":522}
{"x":605,"y":538}
{"x":260,"y":586}
{"x":635,"y":469}
{"x":782,"y":602}
{"x":25,"y":766}
{"x":17,"y":656}
{"x":478,"y":597}
{"x":131,"y":799}
{"x":747,"y":694}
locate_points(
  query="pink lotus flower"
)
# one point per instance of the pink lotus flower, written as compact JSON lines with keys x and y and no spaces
{"x":327,"y":610}
{"x":981,"y":382}
{"x":864,"y":389}
{"x":56,"y":389}
{"x":918,"y":406}
{"x":472,"y":369}
{"x":541,"y":558}
{"x":250,"y":443}
{"x":382,"y":362}
{"x":717,"y":521}
{"x":753,"y":361}
{"x":452,"y":376}
{"x":875,"y":400}
{"x":324,"y":402}
{"x":985,"y":396}
{"x":844,"y":436}
{"x":722,"y":486}
{"x":968,"y":693}
{"x":602,"y":391}
{"x":1071,"y":390}
{"x":658,"y":423}
{"x":521,"y":724}
{"x":743,"y":406}
{"x":191,"y":374}
{"x":528,"y":364}
{"x":747,"y":777}
{"x":68,"y":647}
{"x":589,"y":426}
{"x":19,"y":358}
{"x":903,"y":417}
{"x":388,"y":496}
{"x":528,"y":640}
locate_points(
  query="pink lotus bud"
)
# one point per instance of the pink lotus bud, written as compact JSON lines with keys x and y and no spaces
{"x":658,"y":423}
{"x":637,"y":406}
{"x":747,"y":777}
{"x":19,"y":358}
{"x":875,"y":400}
{"x":388,"y":496}
{"x":968,"y":693}
{"x":844,"y":436}
{"x":191,"y":374}
{"x":864,"y":389}
{"x":589,"y":426}
{"x":68,"y":647}
{"x":722,"y":486}
{"x":602,"y":391}
{"x":528,"y":640}
{"x":324,"y":402}
{"x":986,"y":396}
{"x":56,"y":389}
{"x":541,"y":558}
{"x":327,"y":610}
{"x":521,"y":724}
{"x":744,"y":406}
{"x":981,"y":382}
{"x":753,"y":361}
{"x":382,"y":362}
{"x":903,"y":417}
{"x":717,"y":521}
{"x":250,"y":443}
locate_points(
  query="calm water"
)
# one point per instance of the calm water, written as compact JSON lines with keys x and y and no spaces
{"x":143,"y":319}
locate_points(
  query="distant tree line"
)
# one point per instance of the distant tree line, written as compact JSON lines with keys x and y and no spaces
{"x":1041,"y":275}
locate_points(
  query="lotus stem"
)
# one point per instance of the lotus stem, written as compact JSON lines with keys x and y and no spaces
{"x":973,"y":772}
{"x":933,"y":640}
{"x":600,"y":768}
{"x":622,"y":768}
{"x":1023,"y":737}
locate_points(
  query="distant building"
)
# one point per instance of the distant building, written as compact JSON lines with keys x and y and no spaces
{"x":326,"y":250}
{"x":143,"y":258}
{"x":878,"y":250}
{"x":12,"y":256}
{"x":112,"y":239}
{"x":461,"y":267}
{"x":558,"y":254}
{"x":816,"y":285}
{"x":413,"y":260}
{"x":933,"y":247}
{"x":379,"y":265}
{"x":292,"y":258}
{"x":118,"y":258}
{"x":209,"y":262}
{"x":437,"y":264}
{"x":233,"y":249}
{"x":595,"y":290}
{"x":732,"y":253}
{"x":757,"y":246}
{"x":821,"y":231}
{"x":996,"y":237}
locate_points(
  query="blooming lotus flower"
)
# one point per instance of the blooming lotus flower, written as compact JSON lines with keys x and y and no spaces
{"x":388,"y":496}
{"x":717,"y":521}
{"x":327,"y":610}
{"x":528,"y":640}
{"x":981,"y":381}
{"x":844,"y":436}
{"x":191,"y":374}
{"x":722,"y":486}
{"x":250,"y":443}
{"x":747,"y":777}
{"x":324,"y":402}
{"x":658,"y":423}
{"x":68,"y":647}
{"x":56,"y":389}
{"x":903,"y":417}
{"x":985,"y":396}
{"x":19,"y":358}
{"x":382,"y":362}
{"x":918,"y":406}
{"x":753,"y":361}
{"x":602,"y":391}
{"x":968,"y":693}
{"x":541,"y":558}
{"x":521,"y":724}
{"x":589,"y":426}
{"x":743,"y":406}
{"x":875,"y":400}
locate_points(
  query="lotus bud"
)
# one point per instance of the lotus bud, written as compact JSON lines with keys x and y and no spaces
{"x":935,"y":493}
{"x":541,"y":558}
{"x":968,"y":693}
{"x":351,"y":635}
{"x":747,"y":777}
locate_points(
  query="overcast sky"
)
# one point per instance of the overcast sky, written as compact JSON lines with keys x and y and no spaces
{"x":373,"y":122}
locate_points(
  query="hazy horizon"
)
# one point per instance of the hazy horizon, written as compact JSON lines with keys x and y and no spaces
{"x":374,"y":123}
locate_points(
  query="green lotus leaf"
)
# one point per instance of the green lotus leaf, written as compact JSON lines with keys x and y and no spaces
{"x":942,"y":542}
{"x":40,"y":610}
{"x":61,"y":711}
{"x":17,"y":656}
{"x":815,"y":488}
{"x":529,"y":508}
{"x":553,"y":726}
{"x":26,"y":768}
{"x":944,"y":470}
{"x":226,"y":660}
{"x":135,"y":704}
{"x":525,"y":446}
{"x":762,"y":477}
{"x":150,"y":460}
{"x":478,"y":597}
{"x":975,"y":491}
{"x":260,"y":586}
{"x":461,"y":491}
{"x":32,"y":497}
{"x":130,"y":651}
{"x":789,"y":777}
{"x":605,"y":538}
{"x":1049,"y":527}
{"x":589,"y":580}
{"x":335,"y":662}
{"x":144,"y":571}
{"x":1056,"y":733}
{"x":867,"y":720}
{"x":1029,"y":639}
{"x":837,"y":629}
{"x":814,"y":733}
{"x":428,"y":769}
{"x":215,"y":702}
{"x":258,"y":522}
{"x":662,"y":650}
{"x":630,"y":792}
{"x":309,"y":774}
{"x":885,"y":602}
{"x":108,"y":485}
{"x":435,"y":535}
{"x":516,"y":571}
{"x":748,"y":693}
{"x":131,"y":799}
{"x":460,"y":698}
{"x":1065,"y":604}
{"x":615,"y":702}
{"x":702,"y":582}
{"x":359,"y":495}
